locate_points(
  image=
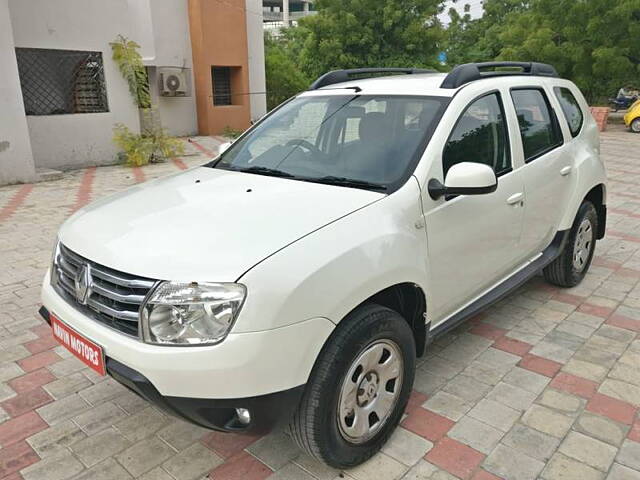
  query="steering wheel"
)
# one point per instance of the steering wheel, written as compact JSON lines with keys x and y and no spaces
{"x":304,"y":144}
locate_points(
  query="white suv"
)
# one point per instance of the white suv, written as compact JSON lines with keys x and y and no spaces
{"x":298,"y":275}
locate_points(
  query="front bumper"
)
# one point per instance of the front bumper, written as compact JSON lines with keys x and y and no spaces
{"x":266,"y":411}
{"x":244,"y":365}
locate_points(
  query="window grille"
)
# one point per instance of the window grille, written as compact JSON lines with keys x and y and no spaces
{"x":56,"y":82}
{"x":221,"y":85}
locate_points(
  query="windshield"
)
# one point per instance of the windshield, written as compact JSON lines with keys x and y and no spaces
{"x":360,"y":141}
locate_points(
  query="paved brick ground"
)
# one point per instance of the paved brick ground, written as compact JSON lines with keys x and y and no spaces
{"x":544,"y":385}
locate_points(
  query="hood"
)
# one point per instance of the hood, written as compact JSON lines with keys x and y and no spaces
{"x":204,"y":224}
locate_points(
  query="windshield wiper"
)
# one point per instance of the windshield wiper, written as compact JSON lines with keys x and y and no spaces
{"x":264,"y":171}
{"x":349,"y":182}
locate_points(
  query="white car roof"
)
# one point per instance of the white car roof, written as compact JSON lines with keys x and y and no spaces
{"x":426,"y":84}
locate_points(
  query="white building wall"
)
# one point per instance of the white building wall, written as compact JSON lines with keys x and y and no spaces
{"x":163,"y":31}
{"x":255,"y":43}
{"x":16,"y":160}
{"x":76,"y":140}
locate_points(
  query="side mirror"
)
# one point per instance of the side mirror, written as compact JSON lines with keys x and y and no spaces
{"x":223,"y":147}
{"x":466,"y":178}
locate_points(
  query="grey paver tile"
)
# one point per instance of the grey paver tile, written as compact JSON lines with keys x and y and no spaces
{"x":512,"y":396}
{"x":142,"y":424}
{"x":191,"y":463}
{"x":291,"y":471}
{"x":629,"y":455}
{"x":547,"y":421}
{"x":94,"y":449}
{"x":509,"y":463}
{"x":561,"y":467}
{"x":406,"y":446}
{"x":530,"y":381}
{"x":495,"y":414}
{"x":569,"y":404}
{"x":588,"y":450}
{"x":531,"y":442}
{"x":144,"y":455}
{"x":56,"y":438}
{"x":275,"y":450}
{"x":107,"y":470}
{"x":59,"y":466}
{"x":620,"y":472}
{"x":379,"y":467}
{"x":99,"y":418}
{"x":448,"y":405}
{"x":476,"y":434}
{"x":601,"y":428}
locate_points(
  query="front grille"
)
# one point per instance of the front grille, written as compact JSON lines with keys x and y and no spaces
{"x":112,"y":297}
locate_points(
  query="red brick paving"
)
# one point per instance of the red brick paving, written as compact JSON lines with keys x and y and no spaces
{"x":31,"y":380}
{"x":138,"y":175}
{"x":427,"y":424}
{"x":15,"y":201}
{"x":242,"y":466}
{"x":228,"y":444}
{"x":19,"y":428}
{"x":41,"y":344}
{"x":511,"y":345}
{"x":83,"y":196}
{"x":595,"y":310}
{"x":634,"y":432}
{"x":621,"y":321}
{"x":487,"y":331}
{"x":540,"y":365}
{"x":612,"y":408}
{"x":574,"y":385}
{"x":178,"y":162}
{"x":568,"y":298}
{"x":484,"y":475}
{"x":43,"y":331}
{"x":455,"y":457}
{"x":15,"y":458}
{"x":25,"y":402}
{"x":38,"y":360}
{"x":416,"y":399}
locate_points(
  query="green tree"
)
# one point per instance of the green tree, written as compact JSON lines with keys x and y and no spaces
{"x":284,"y":78}
{"x":369,"y":33}
{"x":592,"y":42}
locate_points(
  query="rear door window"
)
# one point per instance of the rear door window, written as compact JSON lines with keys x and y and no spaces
{"x":571,"y":109}
{"x":539,"y":127}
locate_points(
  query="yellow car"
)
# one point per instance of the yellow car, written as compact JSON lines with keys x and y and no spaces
{"x":632,"y":118}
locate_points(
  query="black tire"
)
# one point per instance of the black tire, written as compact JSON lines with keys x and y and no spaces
{"x":561,"y":271}
{"x":315,"y":424}
{"x":635,"y":126}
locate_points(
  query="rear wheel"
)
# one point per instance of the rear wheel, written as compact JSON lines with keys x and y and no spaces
{"x":571,"y":266}
{"x":635,"y":125}
{"x":358,"y":389}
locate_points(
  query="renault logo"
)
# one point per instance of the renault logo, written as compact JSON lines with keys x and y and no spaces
{"x":83,"y":284}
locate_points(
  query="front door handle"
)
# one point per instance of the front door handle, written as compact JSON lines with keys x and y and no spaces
{"x":565,"y":170}
{"x":515,"y":198}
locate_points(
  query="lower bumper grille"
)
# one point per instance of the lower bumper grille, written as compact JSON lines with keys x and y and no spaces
{"x":106,"y":295}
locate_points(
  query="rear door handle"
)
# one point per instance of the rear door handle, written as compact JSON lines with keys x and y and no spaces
{"x":565,"y":170}
{"x":515,"y":198}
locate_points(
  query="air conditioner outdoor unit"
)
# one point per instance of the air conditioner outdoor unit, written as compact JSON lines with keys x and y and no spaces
{"x":172,"y":82}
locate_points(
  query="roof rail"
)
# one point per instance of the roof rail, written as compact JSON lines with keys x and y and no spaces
{"x":339,"y":76}
{"x":469,"y":72}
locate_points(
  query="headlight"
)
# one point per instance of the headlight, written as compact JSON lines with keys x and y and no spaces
{"x":191,"y":313}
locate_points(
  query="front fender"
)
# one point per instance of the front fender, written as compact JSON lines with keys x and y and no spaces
{"x":331,"y":271}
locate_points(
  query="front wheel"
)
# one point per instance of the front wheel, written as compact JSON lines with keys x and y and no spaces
{"x":358,"y":389}
{"x":635,"y":125}
{"x":571,"y":266}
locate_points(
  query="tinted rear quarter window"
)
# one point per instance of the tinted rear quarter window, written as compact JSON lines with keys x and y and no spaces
{"x":539,"y":127}
{"x":571,"y":109}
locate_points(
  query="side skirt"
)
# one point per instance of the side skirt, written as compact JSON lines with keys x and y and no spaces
{"x":501,"y":290}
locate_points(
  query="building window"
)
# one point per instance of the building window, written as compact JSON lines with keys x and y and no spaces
{"x":55,"y":82}
{"x":221,"y":77}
